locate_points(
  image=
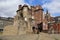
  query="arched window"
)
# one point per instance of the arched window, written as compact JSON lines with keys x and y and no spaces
{"x":21,"y":15}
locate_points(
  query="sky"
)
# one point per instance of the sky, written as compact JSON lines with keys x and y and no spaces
{"x":8,"y":7}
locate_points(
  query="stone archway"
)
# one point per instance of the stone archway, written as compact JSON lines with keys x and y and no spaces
{"x":40,"y":26}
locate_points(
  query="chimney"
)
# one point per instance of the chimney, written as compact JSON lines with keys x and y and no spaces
{"x":19,"y":6}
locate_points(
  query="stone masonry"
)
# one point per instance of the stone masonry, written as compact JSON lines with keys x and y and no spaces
{"x":22,"y":22}
{"x":25,"y":19}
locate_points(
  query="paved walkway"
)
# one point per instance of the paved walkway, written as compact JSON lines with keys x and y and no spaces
{"x":41,"y":36}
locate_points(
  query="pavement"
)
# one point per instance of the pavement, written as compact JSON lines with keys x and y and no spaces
{"x":41,"y":36}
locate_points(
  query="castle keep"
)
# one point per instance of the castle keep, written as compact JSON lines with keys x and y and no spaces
{"x":25,"y":19}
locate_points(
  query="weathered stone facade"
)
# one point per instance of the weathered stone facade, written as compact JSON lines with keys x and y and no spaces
{"x":22,"y":22}
{"x":46,"y":20}
{"x":25,"y":19}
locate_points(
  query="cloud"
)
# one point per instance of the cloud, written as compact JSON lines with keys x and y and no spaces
{"x":8,"y":7}
{"x":31,"y":1}
{"x":53,"y":7}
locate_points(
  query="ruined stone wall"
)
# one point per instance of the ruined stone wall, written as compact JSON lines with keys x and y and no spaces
{"x":23,"y":20}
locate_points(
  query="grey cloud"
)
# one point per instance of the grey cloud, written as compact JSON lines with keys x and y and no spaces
{"x":53,"y":7}
{"x":8,"y":7}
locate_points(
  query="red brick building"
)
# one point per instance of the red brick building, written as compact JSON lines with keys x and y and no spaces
{"x":37,"y":12}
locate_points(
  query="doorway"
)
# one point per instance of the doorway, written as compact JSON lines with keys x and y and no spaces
{"x":40,"y":27}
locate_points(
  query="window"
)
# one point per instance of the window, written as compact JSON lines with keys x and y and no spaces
{"x":21,"y":15}
{"x":1,"y":30}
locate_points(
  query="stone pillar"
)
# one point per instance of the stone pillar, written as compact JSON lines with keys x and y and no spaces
{"x":26,"y":17}
{"x":22,"y":27}
{"x":29,"y":26}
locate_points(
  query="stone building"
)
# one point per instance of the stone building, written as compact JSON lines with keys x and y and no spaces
{"x":57,"y":19}
{"x":22,"y":22}
{"x":46,"y":20}
{"x":25,"y":19}
{"x":57,"y":22}
{"x":48,"y":16}
{"x":37,"y":13}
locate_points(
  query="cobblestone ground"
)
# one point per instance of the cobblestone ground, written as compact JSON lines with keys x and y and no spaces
{"x":41,"y":36}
